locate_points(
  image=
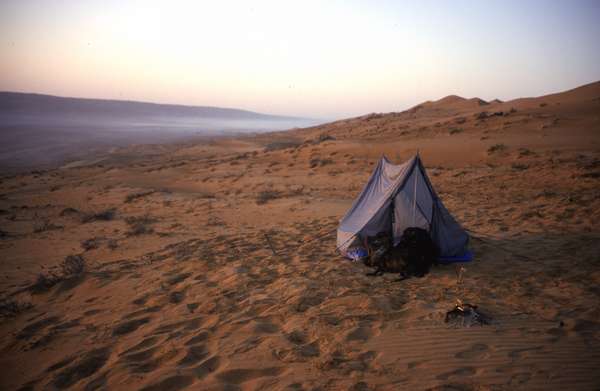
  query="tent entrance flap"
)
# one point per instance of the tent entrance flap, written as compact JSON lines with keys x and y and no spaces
{"x":397,"y":197}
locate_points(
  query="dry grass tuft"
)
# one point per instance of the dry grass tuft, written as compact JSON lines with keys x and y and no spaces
{"x":140,"y":225}
{"x":496,"y":148}
{"x":284,"y":144}
{"x":12,"y":307}
{"x":105,"y":215}
{"x":72,"y":266}
{"x":266,"y":196}
{"x":140,"y":194}
{"x":45,"y":225}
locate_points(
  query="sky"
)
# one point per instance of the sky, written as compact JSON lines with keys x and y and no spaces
{"x":319,"y":59}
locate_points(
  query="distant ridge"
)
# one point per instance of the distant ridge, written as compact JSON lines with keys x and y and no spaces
{"x":455,"y":101}
{"x":40,"y":104}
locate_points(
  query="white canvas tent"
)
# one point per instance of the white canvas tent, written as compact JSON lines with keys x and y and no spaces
{"x":397,"y":197}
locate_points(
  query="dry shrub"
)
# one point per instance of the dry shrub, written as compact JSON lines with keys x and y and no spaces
{"x":316,"y":162}
{"x":44,"y":282}
{"x":266,"y":196}
{"x":284,"y":144}
{"x":112,"y":244}
{"x":525,"y":152}
{"x":73,"y":265}
{"x":45,"y":225}
{"x":325,"y":137}
{"x":12,"y":307}
{"x":140,"y":194}
{"x":105,"y":215}
{"x":519,"y":166}
{"x":68,"y":212}
{"x":90,"y":244}
{"x":496,"y":148}
{"x":140,"y":225}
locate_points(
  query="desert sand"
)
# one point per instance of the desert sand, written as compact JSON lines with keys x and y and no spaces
{"x":213,"y":266}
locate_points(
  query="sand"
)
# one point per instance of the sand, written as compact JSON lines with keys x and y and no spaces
{"x":215,"y":266}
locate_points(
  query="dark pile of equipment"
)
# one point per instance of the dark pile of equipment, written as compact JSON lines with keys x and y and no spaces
{"x":467,"y":315}
{"x":413,"y":256}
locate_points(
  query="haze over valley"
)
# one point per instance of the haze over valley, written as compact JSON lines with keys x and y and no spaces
{"x":41,"y":131}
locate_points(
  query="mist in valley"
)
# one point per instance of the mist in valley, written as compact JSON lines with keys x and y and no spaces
{"x":40,"y":131}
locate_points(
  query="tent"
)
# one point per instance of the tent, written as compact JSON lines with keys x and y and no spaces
{"x":395,"y":198}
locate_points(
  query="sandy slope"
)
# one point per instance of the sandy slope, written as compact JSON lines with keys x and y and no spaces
{"x":182,"y":288}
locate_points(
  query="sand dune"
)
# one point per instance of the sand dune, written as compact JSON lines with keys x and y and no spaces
{"x":213,"y":265}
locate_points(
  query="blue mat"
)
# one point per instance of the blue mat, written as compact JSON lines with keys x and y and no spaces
{"x":466,"y":257}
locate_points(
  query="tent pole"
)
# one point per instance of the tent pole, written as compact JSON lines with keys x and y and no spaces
{"x":415,"y":196}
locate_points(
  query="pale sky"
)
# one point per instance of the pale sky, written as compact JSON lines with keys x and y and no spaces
{"x":320,"y":59}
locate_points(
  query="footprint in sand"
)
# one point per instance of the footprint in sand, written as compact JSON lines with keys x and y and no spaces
{"x":519,"y":353}
{"x":519,"y":378}
{"x":178,"y":278}
{"x":176,"y":297}
{"x":416,"y":364}
{"x":143,"y":311}
{"x":149,"y":361}
{"x":129,"y":326}
{"x":143,"y":355}
{"x":200,"y":337}
{"x":33,"y":328}
{"x":476,"y":351}
{"x":88,"y":364}
{"x":242,"y":375}
{"x":309,"y":350}
{"x":146,"y":343}
{"x":208,"y":366}
{"x":190,"y":324}
{"x":173,"y":383}
{"x":457,"y":373}
{"x":297,"y":337}
{"x":194,"y":355}
{"x":364,"y":331}
{"x":360,"y":333}
{"x":266,"y":328}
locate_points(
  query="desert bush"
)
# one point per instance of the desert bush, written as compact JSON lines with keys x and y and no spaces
{"x":525,"y":152}
{"x":44,"y":282}
{"x":519,"y":166}
{"x":140,"y":225}
{"x":591,"y":175}
{"x":283,"y":144}
{"x":140,"y":194}
{"x":266,"y":196}
{"x":90,"y":244}
{"x":105,"y":215}
{"x":112,"y":244}
{"x":12,"y":307}
{"x":316,"y":162}
{"x":73,"y":265}
{"x":45,"y":225}
{"x":455,"y":130}
{"x":325,"y":137}
{"x":140,"y":229}
{"x":496,"y":148}
{"x":68,"y":211}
